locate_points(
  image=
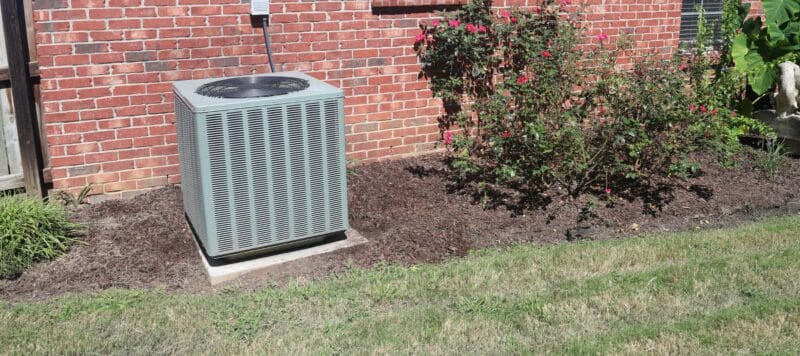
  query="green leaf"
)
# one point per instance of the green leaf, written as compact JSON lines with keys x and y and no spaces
{"x":754,"y":61}
{"x":763,"y":80}
{"x":776,"y":36}
{"x":780,"y":11}
{"x":791,"y":29}
{"x":739,"y":51}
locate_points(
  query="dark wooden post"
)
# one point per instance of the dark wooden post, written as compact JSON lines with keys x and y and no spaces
{"x":13,"y":14}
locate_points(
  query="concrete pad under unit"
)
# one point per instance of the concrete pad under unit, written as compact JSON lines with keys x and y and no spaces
{"x":230,"y":271}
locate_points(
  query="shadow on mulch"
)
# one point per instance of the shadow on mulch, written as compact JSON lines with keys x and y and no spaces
{"x":410,"y":212}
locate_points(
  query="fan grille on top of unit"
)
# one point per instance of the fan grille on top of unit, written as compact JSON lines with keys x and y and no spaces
{"x":252,"y":87}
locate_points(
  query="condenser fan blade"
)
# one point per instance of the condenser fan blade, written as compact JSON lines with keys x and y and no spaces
{"x":252,"y":87}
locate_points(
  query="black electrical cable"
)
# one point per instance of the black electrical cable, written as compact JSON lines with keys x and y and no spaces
{"x":265,"y":24}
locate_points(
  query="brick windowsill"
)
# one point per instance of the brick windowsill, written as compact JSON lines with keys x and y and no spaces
{"x":416,"y":3}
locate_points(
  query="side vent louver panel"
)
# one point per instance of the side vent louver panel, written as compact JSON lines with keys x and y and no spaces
{"x":190,"y":171}
{"x":298,"y":164}
{"x":280,"y":175}
{"x":317,"y":166}
{"x":220,"y":180}
{"x":337,"y":187}
{"x":272,"y":173}
{"x":261,"y":184}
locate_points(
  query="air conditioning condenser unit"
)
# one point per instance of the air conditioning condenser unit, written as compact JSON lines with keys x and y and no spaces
{"x":262,"y":161}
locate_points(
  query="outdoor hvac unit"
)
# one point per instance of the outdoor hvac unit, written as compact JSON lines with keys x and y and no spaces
{"x":262,"y":161}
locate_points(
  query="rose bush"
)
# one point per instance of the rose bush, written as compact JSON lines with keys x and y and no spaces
{"x":524,"y":106}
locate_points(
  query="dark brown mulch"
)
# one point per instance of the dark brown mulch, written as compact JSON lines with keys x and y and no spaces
{"x":410,"y":213}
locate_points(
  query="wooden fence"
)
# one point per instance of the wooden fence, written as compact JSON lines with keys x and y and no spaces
{"x":22,"y":145}
{"x":10,"y":160}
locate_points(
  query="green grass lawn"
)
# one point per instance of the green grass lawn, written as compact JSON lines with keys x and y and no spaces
{"x":720,"y":291}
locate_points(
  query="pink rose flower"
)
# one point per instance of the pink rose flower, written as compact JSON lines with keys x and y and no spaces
{"x":435,"y":23}
{"x":513,"y":20}
{"x":419,"y":38}
{"x":602,"y":37}
{"x":454,"y":23}
{"x":703,"y":109}
{"x":471,"y":28}
{"x":692,"y":107}
{"x":608,"y":190}
{"x":505,"y":13}
{"x":448,"y":137}
{"x":683,"y":67}
{"x":481,"y":28}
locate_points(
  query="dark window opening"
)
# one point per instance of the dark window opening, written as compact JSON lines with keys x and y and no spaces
{"x":690,"y":15}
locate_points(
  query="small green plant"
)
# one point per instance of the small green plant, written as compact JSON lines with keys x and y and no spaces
{"x":31,"y":230}
{"x":773,"y":158}
{"x":352,"y":167}
{"x":67,"y":198}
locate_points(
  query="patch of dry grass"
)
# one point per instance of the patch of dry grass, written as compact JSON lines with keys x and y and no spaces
{"x":722,"y":291}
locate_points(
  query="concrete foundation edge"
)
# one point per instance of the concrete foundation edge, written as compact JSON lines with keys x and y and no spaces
{"x":229,"y":272}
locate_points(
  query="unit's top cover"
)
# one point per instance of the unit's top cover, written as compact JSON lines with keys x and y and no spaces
{"x":215,"y":94}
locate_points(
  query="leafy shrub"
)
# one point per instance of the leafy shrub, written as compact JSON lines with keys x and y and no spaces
{"x":762,"y":45}
{"x":31,"y":230}
{"x":715,"y":83}
{"x":534,"y":111}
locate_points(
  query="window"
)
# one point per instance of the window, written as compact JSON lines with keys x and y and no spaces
{"x":689,"y":15}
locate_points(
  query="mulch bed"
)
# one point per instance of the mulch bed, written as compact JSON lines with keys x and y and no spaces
{"x":410,"y":213}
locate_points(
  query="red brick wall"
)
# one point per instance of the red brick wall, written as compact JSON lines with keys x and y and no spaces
{"x":107,"y":67}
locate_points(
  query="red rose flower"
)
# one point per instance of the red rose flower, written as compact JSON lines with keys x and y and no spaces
{"x":522,"y":80}
{"x":506,"y":134}
{"x":546,"y":54}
